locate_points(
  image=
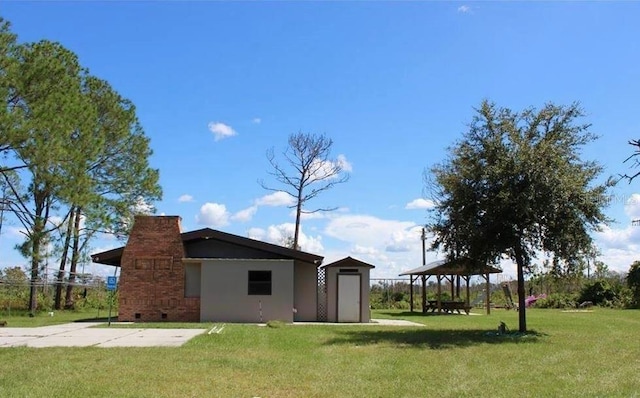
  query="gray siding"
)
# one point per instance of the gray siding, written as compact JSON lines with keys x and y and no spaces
{"x":224,"y":296}
{"x":306,"y":288}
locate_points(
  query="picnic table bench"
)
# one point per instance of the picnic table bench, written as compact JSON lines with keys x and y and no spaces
{"x":447,"y":306}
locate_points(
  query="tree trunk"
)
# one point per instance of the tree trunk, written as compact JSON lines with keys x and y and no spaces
{"x":35,"y":268}
{"x":75,"y":255}
{"x":522,"y":317}
{"x":296,"y":233}
{"x":63,"y":262}
{"x":36,"y":240}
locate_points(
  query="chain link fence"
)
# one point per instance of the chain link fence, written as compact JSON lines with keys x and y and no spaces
{"x":87,"y":292}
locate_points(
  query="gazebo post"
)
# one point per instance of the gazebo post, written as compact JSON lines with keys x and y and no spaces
{"x":424,"y":293}
{"x":488,"y":295}
{"x":411,"y":293}
{"x":439,"y":293}
{"x":467,"y":278}
{"x":453,"y":283}
{"x":458,"y":286}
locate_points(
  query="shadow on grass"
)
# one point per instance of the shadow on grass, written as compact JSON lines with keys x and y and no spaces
{"x":433,"y":339}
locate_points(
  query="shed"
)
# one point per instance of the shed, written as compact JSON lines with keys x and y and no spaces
{"x":347,"y":282}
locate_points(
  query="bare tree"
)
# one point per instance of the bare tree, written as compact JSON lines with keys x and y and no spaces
{"x":305,"y":171}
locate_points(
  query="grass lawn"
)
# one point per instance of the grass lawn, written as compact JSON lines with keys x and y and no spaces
{"x":592,"y":354}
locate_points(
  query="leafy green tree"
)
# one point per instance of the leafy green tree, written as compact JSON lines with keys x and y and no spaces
{"x":16,"y":286}
{"x":8,"y":64}
{"x":307,"y":171}
{"x":633,"y":281}
{"x":119,"y":176}
{"x":48,"y":110}
{"x":515,"y":186}
{"x":74,"y":145}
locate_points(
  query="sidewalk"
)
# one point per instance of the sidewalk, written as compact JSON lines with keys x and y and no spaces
{"x":82,"y":335}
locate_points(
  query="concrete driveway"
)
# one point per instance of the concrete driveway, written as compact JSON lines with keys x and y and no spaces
{"x":82,"y":335}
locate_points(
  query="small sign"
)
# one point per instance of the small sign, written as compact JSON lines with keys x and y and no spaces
{"x":112,"y":282}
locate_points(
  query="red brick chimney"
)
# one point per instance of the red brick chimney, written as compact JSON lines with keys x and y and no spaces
{"x":151,"y":285}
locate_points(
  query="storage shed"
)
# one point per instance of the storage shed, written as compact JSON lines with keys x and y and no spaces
{"x":348,"y":291}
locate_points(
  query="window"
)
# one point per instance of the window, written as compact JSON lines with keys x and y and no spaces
{"x":260,"y":283}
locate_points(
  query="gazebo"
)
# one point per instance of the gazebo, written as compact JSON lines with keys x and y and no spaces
{"x":453,"y":272}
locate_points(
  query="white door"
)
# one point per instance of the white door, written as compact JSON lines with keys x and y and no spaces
{"x":349,"y":298}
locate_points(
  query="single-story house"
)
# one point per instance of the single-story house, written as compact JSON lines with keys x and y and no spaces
{"x":209,"y":275}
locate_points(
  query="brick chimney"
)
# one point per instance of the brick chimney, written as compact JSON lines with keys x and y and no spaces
{"x":151,"y":286}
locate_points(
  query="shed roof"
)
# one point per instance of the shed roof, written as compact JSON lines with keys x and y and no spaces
{"x":349,"y":262}
{"x":113,"y":256}
{"x":461,"y":266}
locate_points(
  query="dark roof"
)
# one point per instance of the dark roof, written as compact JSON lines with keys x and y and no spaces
{"x":461,"y":266}
{"x":113,"y":256}
{"x":110,"y":257}
{"x":349,"y":262}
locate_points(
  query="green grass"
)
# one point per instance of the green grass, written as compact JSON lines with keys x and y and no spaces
{"x":568,"y":354}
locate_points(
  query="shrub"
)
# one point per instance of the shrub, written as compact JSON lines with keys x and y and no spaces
{"x":633,"y":282}
{"x":275,"y":324}
{"x":599,"y":292}
{"x":557,"y":300}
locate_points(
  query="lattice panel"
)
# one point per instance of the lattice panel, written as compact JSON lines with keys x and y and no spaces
{"x":322,"y":295}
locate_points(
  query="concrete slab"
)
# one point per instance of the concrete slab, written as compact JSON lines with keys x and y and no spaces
{"x":82,"y":335}
{"x":15,"y":341}
{"x":154,"y":338}
{"x":395,"y":322}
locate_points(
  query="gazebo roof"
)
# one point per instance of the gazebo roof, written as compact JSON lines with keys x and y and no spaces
{"x":456,"y":267}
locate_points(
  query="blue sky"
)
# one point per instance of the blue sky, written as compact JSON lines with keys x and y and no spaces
{"x":392,"y":83}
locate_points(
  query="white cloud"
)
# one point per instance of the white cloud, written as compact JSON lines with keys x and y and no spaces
{"x":344,"y":163}
{"x":213,"y":215}
{"x":369,"y":254}
{"x":322,"y":169}
{"x":245,"y":214}
{"x":368,"y":230}
{"x":632,"y":206}
{"x":256,"y":233}
{"x":400,"y":241}
{"x":279,"y":198}
{"x":464,"y":9}
{"x":185,"y":198}
{"x":420,"y":203}
{"x":357,"y":249}
{"x":619,"y":260}
{"x":618,"y":238}
{"x":280,"y":234}
{"x":256,"y":120}
{"x":142,"y":207}
{"x":221,"y":130}
{"x":392,"y":246}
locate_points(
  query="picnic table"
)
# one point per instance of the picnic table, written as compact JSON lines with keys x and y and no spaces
{"x":447,"y":307}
